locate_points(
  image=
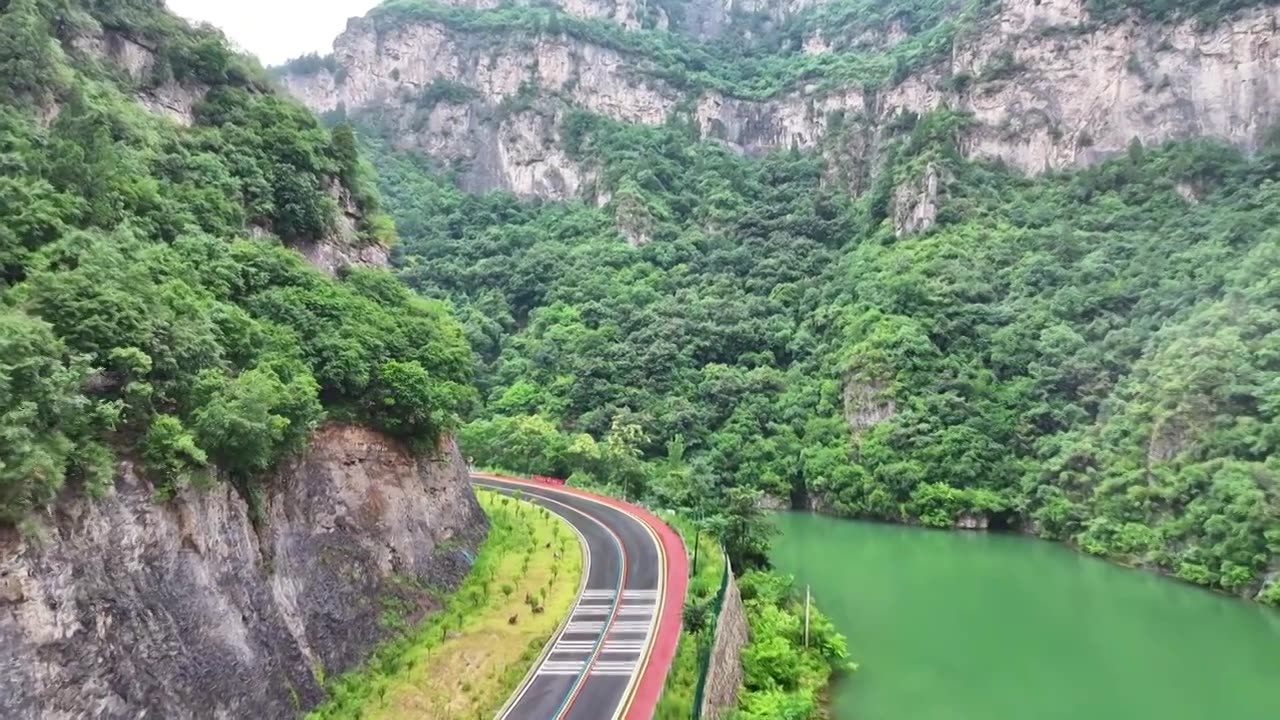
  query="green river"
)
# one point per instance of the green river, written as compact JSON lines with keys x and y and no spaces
{"x":955,"y":626}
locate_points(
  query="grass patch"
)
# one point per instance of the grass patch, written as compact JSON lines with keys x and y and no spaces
{"x":464,"y":661}
{"x":698,"y":631}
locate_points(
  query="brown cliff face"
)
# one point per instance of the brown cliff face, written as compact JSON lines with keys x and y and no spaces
{"x":121,"y":607}
{"x":1047,"y":88}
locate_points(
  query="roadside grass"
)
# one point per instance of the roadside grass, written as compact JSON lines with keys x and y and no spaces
{"x":697,"y":631}
{"x":464,"y":661}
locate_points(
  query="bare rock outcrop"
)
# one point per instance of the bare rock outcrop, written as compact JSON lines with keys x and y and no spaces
{"x":137,"y":61}
{"x":122,"y":607}
{"x":343,"y":247}
{"x":866,"y":403}
{"x":916,"y":203}
{"x":1046,"y":87}
{"x":630,"y":14}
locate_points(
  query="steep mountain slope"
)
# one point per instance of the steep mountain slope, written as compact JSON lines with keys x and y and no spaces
{"x":1048,"y":83}
{"x":216,"y":462}
{"x":907,"y":301}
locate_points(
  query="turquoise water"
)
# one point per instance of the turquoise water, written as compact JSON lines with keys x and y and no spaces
{"x":959,"y":626}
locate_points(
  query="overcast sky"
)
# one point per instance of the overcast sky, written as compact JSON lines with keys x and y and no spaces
{"x":276,"y":30}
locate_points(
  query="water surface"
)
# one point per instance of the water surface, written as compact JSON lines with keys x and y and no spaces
{"x":956,"y":626}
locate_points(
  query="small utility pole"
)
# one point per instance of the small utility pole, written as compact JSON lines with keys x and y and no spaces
{"x":806,"y":616}
{"x":697,"y":535}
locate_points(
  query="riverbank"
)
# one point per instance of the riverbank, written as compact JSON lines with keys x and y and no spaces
{"x":960,"y":626}
{"x":1133,"y":546}
{"x":782,"y":677}
{"x":463,"y":662}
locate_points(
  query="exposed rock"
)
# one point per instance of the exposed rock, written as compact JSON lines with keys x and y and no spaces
{"x":1020,"y":16}
{"x":498,"y":139}
{"x":627,"y":13}
{"x":1189,"y":192}
{"x":1270,"y":587}
{"x":772,"y":504}
{"x":173,"y":100}
{"x":128,"y":608}
{"x":11,"y":590}
{"x":724,"y":670}
{"x":709,"y":19}
{"x":635,"y":222}
{"x":118,"y":49}
{"x":343,"y":248}
{"x":916,"y":203}
{"x":1078,"y":93}
{"x":137,"y":60}
{"x":332,"y":258}
{"x":1169,"y":437}
{"x":1076,"y":99}
{"x":866,"y":404}
{"x":389,"y":66}
{"x":971,"y":521}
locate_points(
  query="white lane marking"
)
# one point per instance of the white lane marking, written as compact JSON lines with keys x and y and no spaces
{"x":636,"y":610}
{"x":607,"y":643}
{"x":514,"y":700}
{"x":562,"y":667}
{"x":614,"y":668}
{"x":591,"y":611}
{"x":630,"y":626}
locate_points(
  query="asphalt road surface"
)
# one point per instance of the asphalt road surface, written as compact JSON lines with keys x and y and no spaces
{"x":592,"y":668}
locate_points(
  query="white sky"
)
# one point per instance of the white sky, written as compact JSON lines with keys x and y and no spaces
{"x":276,"y":30}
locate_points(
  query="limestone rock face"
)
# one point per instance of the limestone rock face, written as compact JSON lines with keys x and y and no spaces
{"x":866,"y":403}
{"x":1047,"y":87}
{"x":122,"y":607}
{"x":170,"y":98}
{"x":343,"y":248}
{"x":916,"y":203}
{"x":627,"y":13}
{"x":508,"y":133}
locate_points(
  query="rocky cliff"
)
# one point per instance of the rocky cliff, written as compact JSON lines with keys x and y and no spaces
{"x":1046,"y":87}
{"x":146,"y":72}
{"x":122,"y":607}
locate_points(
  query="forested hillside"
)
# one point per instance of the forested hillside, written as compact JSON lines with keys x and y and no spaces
{"x":1088,"y":356}
{"x":150,"y":306}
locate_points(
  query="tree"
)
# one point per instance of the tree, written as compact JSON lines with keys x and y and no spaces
{"x":744,"y":529}
{"x":249,"y":422}
{"x":42,"y":413}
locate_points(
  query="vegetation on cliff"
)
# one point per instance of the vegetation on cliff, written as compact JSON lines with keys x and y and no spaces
{"x":147,"y":302}
{"x":867,"y":44}
{"x":1086,"y":355}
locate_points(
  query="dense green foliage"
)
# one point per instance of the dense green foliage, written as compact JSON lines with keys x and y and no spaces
{"x":782,"y":676}
{"x":1090,"y":356}
{"x":137,"y":316}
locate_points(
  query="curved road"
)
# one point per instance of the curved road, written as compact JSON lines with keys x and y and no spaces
{"x":609,"y":659}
